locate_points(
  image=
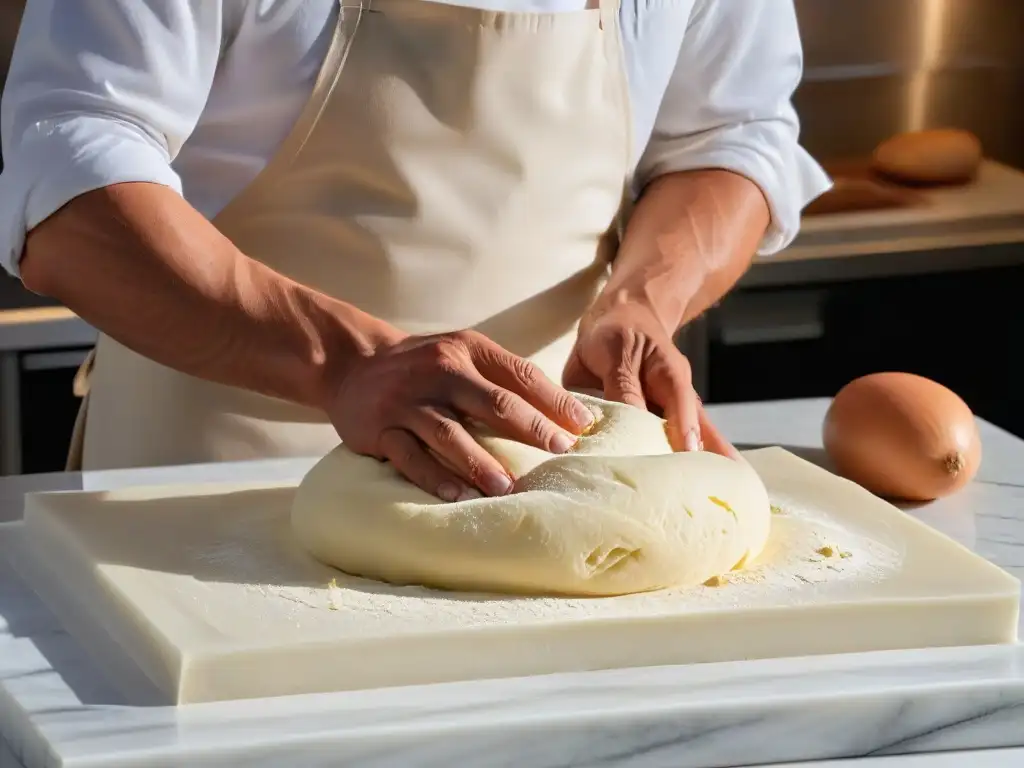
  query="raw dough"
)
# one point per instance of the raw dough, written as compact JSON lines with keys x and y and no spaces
{"x":620,"y":514}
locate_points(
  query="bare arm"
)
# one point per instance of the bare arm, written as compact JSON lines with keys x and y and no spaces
{"x":723,"y":178}
{"x":670,"y":268}
{"x":99,"y":100}
{"x":692,"y":236}
{"x":140,"y":264}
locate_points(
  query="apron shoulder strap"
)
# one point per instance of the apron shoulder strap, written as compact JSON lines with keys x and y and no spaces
{"x":609,"y":12}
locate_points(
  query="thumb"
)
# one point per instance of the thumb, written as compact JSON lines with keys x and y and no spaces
{"x":576,"y":376}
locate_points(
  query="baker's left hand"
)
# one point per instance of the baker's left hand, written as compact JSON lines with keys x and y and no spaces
{"x":626,"y":352}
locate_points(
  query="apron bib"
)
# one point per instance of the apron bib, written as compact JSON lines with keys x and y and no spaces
{"x":453,"y":168}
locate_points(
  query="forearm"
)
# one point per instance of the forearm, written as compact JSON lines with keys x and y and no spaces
{"x":141,"y":265}
{"x":691,"y":237}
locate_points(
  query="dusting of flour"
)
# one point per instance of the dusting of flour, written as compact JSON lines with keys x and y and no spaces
{"x":810,"y":557}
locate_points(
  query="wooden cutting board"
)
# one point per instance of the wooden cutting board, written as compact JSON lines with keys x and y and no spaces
{"x":189,"y":594}
{"x":988,"y":210}
{"x":857,"y":188}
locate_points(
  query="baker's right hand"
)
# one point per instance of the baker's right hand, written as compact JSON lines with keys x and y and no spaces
{"x":406,"y":404}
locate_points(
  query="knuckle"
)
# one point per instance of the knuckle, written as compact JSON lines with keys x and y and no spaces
{"x":445,"y":432}
{"x":526,"y":373}
{"x":466,"y":336}
{"x":541,"y":428}
{"x":565,"y":403}
{"x":625,"y":381}
{"x":503,"y":403}
{"x":468,"y":343}
{"x":446,"y":356}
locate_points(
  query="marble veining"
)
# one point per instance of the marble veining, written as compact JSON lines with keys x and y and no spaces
{"x":56,"y":709}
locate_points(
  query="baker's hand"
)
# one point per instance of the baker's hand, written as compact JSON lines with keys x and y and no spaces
{"x":626,"y":352}
{"x":406,"y":403}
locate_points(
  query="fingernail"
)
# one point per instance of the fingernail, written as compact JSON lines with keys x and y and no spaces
{"x":692,"y":441}
{"x":449,"y":492}
{"x":495,"y":484}
{"x":469,"y":494}
{"x":582,"y":416}
{"x":562,"y":442}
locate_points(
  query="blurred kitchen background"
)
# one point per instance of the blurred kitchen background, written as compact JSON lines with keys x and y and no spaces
{"x":938,"y":295}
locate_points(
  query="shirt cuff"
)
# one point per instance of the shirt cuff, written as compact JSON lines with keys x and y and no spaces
{"x":54,"y":163}
{"x":787,"y":176}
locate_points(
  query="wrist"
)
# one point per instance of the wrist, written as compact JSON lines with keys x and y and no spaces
{"x":343,"y":337}
{"x":669,"y":307}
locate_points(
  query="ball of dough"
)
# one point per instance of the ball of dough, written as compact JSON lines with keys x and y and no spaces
{"x":619,"y":514}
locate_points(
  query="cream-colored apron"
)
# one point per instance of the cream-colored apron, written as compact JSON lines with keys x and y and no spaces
{"x":454,"y":168}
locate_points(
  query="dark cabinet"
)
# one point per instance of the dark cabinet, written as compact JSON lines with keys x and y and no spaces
{"x":958,"y":328}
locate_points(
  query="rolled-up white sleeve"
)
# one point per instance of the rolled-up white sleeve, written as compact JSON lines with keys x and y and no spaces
{"x":729,"y":105}
{"x":99,"y":92}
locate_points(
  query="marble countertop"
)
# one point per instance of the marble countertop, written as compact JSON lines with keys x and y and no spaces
{"x":934,"y":708}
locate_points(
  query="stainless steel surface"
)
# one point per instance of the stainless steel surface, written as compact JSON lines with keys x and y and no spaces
{"x":877,"y":67}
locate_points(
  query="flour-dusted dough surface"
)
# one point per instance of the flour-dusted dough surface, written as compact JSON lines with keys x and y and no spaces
{"x":620,"y":514}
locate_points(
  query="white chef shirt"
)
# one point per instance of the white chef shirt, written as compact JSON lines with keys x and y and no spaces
{"x":198,"y":94}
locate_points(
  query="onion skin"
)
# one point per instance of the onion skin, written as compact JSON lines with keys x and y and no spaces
{"x":902,"y":436}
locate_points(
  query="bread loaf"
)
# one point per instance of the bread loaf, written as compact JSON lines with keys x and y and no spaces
{"x":939,"y":156}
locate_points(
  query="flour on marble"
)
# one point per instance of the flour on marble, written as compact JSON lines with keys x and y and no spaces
{"x":791,"y":571}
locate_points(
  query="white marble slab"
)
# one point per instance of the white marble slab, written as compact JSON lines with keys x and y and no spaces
{"x":975,"y":758}
{"x":55,"y":709}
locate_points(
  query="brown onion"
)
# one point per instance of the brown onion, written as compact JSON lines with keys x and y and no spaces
{"x":902,"y":436}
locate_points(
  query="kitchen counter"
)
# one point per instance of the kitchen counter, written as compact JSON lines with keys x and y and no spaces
{"x":968,"y":227}
{"x":55,"y":705}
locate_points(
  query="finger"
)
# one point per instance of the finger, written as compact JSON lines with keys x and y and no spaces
{"x":408,"y":456}
{"x":714,"y":440}
{"x":510,"y":415}
{"x":446,"y":437}
{"x":524,"y":379}
{"x":669,"y":384}
{"x":623,"y":384}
